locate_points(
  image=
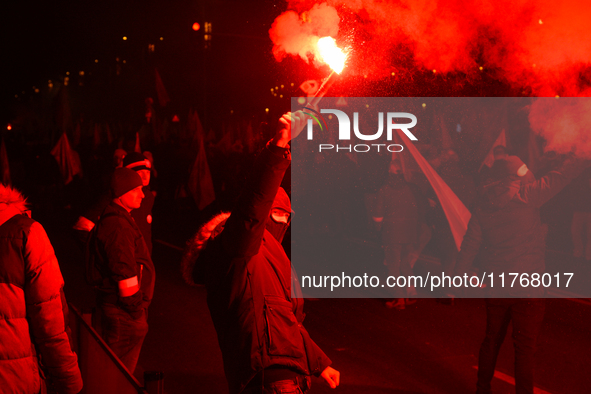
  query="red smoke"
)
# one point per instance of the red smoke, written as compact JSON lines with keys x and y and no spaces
{"x":543,"y":45}
{"x":298,"y":34}
{"x":565,"y":123}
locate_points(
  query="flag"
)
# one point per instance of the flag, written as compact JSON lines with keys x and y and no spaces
{"x":200,"y":184}
{"x":4,"y":167}
{"x":163,"y":98}
{"x":195,"y":127}
{"x":455,"y":211}
{"x":490,"y":158}
{"x":137,"y":148}
{"x":67,"y":159}
{"x":409,"y":167}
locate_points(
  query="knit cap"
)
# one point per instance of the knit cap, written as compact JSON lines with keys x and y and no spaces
{"x":136,"y":161}
{"x":506,"y":167}
{"x":124,"y":180}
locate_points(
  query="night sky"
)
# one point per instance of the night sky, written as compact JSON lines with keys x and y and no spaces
{"x":44,"y":40}
{"x":525,"y":50}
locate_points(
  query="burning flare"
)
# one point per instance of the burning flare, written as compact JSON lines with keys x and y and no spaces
{"x":331,"y":54}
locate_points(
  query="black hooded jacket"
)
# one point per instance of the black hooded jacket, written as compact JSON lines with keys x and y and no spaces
{"x":506,"y":223}
{"x":249,"y":284}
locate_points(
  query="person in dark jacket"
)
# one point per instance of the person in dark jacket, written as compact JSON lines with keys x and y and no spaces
{"x":142,"y":215}
{"x":126,"y":268}
{"x":400,"y":211}
{"x":506,"y":224}
{"x":33,"y":308}
{"x":250,"y":286}
{"x":581,"y":224}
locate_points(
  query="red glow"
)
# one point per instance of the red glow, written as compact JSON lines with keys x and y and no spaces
{"x":175,"y":119}
{"x":295,"y":35}
{"x":564,"y":123}
{"x":9,"y":127}
{"x":545,"y":45}
{"x":331,"y":54}
{"x":196,"y":26}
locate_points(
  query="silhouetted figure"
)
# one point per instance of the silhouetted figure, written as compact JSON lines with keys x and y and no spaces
{"x":265,"y":347}
{"x":506,"y":224}
{"x":400,"y":210}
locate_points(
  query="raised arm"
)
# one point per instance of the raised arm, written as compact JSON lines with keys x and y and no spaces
{"x":244,"y":229}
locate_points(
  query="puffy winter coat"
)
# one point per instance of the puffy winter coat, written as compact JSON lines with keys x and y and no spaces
{"x":249,"y":285}
{"x":32,"y":321}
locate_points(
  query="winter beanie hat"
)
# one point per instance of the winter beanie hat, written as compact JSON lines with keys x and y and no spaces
{"x":136,"y":161}
{"x":506,"y":167}
{"x":124,"y":180}
{"x":118,"y":157}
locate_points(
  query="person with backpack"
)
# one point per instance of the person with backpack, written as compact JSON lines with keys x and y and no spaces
{"x":121,"y":269}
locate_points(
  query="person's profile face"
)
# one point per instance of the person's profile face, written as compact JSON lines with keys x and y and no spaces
{"x":145,"y":175}
{"x":133,"y":198}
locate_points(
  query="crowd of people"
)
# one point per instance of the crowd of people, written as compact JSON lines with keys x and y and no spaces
{"x":118,"y":264}
{"x":265,"y":347}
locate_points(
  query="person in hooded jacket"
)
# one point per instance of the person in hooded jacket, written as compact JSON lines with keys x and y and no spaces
{"x":250,"y":285}
{"x":506,"y":225}
{"x":33,"y":309}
